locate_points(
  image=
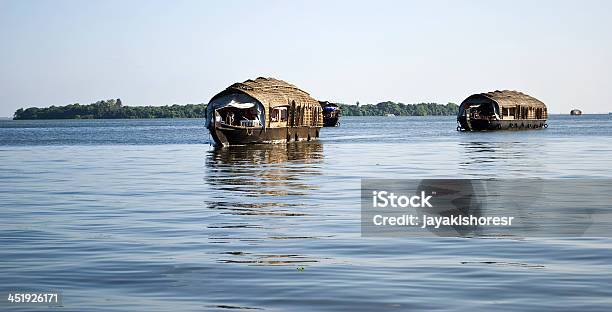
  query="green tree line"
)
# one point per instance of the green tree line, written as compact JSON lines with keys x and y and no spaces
{"x":113,"y":109}
{"x":400,"y":109}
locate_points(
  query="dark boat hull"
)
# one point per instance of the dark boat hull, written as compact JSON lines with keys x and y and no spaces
{"x":488,"y":125}
{"x":331,"y":122}
{"x":226,"y":135}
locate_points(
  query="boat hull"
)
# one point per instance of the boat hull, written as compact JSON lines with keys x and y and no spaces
{"x":331,"y":122}
{"x":496,"y":124}
{"x":227,"y":135}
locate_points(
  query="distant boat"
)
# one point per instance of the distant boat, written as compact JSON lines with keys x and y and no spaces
{"x":331,"y":114}
{"x":390,"y":115}
{"x":500,"y":110}
{"x":575,"y":112}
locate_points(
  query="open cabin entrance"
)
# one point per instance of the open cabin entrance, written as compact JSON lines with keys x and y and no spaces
{"x":481,"y":111}
{"x":234,"y":116}
{"x":236,"y":110}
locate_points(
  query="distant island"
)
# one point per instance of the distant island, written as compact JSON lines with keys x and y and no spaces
{"x":111,"y":109}
{"x":114,"y":109}
{"x":399,"y":109}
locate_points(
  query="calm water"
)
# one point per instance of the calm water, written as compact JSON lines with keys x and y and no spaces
{"x":145,"y":215}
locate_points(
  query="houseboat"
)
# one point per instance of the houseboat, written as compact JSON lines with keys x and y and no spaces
{"x":499,"y":110}
{"x":331,"y":114}
{"x":264,"y":110}
{"x":575,"y":112}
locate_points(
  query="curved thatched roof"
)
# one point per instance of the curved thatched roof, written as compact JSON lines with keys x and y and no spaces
{"x":508,"y":98}
{"x":271,"y":92}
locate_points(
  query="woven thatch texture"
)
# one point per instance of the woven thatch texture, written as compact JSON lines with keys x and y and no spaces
{"x":507,"y":98}
{"x":272,"y":92}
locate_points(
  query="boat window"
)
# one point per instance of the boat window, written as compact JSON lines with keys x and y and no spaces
{"x":300,"y":116}
{"x":279,"y":114}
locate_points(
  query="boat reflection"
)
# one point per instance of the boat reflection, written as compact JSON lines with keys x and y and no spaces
{"x":266,"y":259}
{"x":262,"y":193}
{"x":267,"y":169}
{"x":501,"y":159}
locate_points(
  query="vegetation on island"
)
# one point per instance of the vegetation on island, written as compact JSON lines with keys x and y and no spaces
{"x":113,"y":109}
{"x":400,"y":109}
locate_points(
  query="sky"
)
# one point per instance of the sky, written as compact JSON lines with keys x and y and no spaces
{"x":165,"y":52}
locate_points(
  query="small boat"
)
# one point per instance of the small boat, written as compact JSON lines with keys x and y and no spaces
{"x":575,"y":112}
{"x":501,"y":110}
{"x":331,"y":114}
{"x":264,"y":110}
{"x":390,"y":115}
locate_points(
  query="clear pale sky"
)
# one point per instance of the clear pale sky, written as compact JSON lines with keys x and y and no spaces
{"x":165,"y":52}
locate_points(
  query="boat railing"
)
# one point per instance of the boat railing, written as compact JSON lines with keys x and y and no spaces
{"x":249,"y":123}
{"x":245,"y":124}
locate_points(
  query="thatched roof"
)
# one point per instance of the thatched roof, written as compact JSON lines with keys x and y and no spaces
{"x":508,"y":98}
{"x":271,"y":92}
